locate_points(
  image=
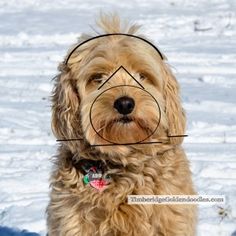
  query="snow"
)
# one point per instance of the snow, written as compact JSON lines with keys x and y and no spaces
{"x":198,"y":37}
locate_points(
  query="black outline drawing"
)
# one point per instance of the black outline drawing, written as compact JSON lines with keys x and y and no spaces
{"x":94,"y":145}
{"x":90,"y":115}
{"x":162,"y":57}
{"x":116,"y":72}
{"x":107,"y":35}
{"x":70,"y":139}
{"x":124,"y":144}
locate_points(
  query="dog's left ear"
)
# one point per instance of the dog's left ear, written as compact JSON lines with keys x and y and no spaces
{"x":174,"y":111}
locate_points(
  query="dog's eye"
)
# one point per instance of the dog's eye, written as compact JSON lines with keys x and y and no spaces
{"x":142,"y":76}
{"x":96,"y":78}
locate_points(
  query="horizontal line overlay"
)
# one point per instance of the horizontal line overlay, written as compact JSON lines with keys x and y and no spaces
{"x":123,"y":144}
{"x":120,"y":144}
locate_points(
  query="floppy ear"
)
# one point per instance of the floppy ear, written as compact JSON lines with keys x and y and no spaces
{"x":174,"y":111}
{"x":65,"y":106}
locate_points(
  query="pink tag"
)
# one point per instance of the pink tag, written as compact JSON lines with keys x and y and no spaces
{"x":98,"y":184}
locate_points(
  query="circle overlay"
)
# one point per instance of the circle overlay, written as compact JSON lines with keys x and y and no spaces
{"x":91,"y":122}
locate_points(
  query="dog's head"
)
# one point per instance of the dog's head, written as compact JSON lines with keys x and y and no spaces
{"x":117,"y":90}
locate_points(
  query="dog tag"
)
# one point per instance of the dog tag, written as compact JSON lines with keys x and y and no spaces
{"x":99,"y":184}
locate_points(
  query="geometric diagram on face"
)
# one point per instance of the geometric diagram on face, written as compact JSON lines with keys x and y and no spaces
{"x":66,"y":62}
{"x":124,"y":105}
{"x":124,"y":114}
{"x":116,"y":71}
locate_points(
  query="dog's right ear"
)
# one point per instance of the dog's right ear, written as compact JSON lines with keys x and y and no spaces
{"x":65,"y":105}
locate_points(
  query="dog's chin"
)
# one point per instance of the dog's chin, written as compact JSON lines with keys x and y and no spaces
{"x":126,"y":130}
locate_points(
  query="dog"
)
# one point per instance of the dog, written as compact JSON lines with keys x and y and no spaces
{"x":117,"y":113}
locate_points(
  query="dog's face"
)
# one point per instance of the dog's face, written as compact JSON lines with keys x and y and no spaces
{"x":117,"y":90}
{"x":116,"y":105}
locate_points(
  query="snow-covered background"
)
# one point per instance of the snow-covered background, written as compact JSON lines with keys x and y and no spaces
{"x":198,"y":37}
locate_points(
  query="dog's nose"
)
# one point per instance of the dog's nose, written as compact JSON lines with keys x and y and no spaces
{"x":124,"y":105}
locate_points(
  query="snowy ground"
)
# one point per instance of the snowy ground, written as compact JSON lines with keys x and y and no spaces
{"x":198,"y":37}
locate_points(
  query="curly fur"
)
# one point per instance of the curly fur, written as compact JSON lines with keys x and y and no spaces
{"x":158,"y":169}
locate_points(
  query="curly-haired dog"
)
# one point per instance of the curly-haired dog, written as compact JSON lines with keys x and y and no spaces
{"x":119,"y":98}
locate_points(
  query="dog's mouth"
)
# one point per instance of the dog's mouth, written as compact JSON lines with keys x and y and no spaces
{"x":125,"y":129}
{"x":125,"y":119}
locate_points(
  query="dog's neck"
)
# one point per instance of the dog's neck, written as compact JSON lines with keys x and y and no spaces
{"x":96,"y":171}
{"x":99,"y":166}
{"x":140,"y":153}
{"x":99,"y":169}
